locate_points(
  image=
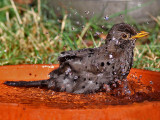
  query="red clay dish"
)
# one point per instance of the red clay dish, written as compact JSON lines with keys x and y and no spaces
{"x":41,"y":104}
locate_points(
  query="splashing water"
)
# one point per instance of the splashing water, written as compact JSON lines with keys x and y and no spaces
{"x":139,"y":4}
{"x":106,"y":17}
{"x":87,"y":12}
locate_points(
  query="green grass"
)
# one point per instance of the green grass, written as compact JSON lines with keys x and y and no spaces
{"x":29,"y":36}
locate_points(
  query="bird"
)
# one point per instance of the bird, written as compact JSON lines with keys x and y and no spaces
{"x":90,"y":70}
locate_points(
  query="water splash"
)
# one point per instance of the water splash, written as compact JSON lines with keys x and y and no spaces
{"x":110,"y":56}
{"x":87,"y":12}
{"x":151,"y":82}
{"x":106,"y":17}
{"x":139,"y":4}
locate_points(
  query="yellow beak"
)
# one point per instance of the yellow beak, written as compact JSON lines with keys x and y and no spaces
{"x":140,"y":34}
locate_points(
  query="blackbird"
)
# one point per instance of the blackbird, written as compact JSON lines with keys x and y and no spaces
{"x":92,"y":69}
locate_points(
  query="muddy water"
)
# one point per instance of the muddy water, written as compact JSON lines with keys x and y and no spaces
{"x":128,"y":92}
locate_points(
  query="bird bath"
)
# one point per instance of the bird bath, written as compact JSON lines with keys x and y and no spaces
{"x":37,"y":103}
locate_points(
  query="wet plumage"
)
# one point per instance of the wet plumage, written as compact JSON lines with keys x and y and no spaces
{"x":91,"y":69}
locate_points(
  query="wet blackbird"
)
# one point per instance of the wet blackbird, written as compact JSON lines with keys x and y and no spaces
{"x":92,"y":69}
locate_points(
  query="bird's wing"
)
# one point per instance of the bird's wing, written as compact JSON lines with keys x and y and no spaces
{"x":74,"y":60}
{"x":92,"y":60}
{"x":69,"y":55}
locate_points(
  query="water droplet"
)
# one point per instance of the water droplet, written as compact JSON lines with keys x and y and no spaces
{"x":127,"y":92}
{"x":97,"y":34}
{"x":139,"y":4}
{"x":106,"y":17}
{"x":110,"y":56}
{"x":75,"y":77}
{"x":140,"y":76}
{"x":87,"y":12}
{"x":68,"y":71}
{"x":47,"y":66}
{"x":106,"y":87}
{"x":123,"y":74}
{"x":122,"y":66}
{"x":90,"y":82}
{"x":151,"y":82}
{"x":77,"y":22}
{"x":114,"y":73}
{"x":114,"y":85}
{"x":102,"y":26}
{"x":119,"y":82}
{"x":83,"y":26}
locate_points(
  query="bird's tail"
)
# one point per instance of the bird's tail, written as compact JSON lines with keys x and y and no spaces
{"x":40,"y":83}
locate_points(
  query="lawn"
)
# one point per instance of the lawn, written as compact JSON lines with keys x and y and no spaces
{"x":36,"y":35}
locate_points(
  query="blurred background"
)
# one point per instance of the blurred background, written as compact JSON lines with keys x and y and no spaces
{"x":36,"y":31}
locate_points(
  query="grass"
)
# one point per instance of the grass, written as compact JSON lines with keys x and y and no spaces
{"x":29,"y":36}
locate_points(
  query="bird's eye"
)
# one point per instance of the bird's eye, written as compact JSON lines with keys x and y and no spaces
{"x":124,"y":36}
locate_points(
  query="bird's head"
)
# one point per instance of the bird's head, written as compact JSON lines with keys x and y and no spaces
{"x":123,"y":34}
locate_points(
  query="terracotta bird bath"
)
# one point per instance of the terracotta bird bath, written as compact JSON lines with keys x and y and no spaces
{"x":41,"y":104}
